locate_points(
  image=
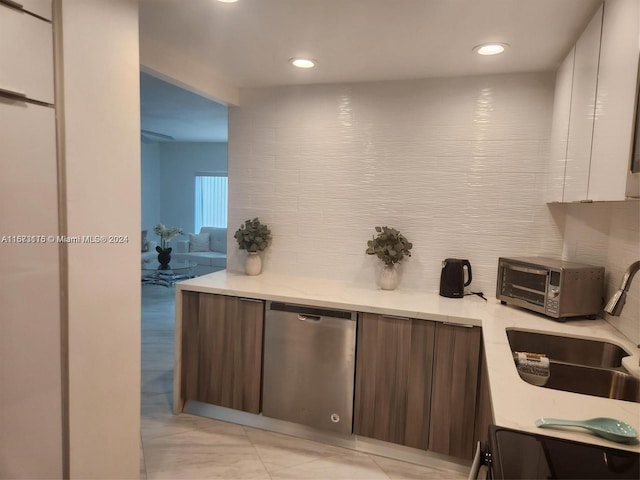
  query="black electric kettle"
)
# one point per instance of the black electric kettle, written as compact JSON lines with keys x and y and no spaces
{"x":452,"y":277}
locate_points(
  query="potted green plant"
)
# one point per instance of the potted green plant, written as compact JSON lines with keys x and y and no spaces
{"x":391,"y":247}
{"x":253,"y":236}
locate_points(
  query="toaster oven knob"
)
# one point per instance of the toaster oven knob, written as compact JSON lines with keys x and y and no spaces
{"x":555,"y":292}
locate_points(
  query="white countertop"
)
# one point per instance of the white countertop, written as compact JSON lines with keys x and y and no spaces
{"x":516,"y":404}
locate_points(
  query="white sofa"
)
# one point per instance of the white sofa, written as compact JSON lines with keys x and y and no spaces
{"x":148,"y":253}
{"x":208,"y":250}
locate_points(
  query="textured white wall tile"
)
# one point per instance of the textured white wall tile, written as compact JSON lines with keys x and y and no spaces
{"x":608,"y":234}
{"x":455,"y":164}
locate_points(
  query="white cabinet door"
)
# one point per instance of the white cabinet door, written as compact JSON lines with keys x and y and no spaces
{"x":585,"y":75}
{"x":28,"y":185}
{"x":615,"y":105}
{"x":29,"y":293}
{"x":560,"y":130}
{"x":26,"y":55}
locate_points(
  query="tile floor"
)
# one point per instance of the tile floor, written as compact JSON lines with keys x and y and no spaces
{"x":190,"y":447}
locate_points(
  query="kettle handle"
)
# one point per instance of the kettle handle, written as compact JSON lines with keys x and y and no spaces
{"x":465,"y":263}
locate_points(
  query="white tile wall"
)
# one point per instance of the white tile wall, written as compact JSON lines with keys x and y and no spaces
{"x":608,"y":234}
{"x":456,"y":164}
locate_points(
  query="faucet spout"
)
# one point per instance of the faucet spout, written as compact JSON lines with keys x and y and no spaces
{"x":616,"y":303}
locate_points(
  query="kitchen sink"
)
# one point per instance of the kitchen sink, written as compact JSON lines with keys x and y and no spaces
{"x":599,"y":382}
{"x":589,"y":367}
{"x":579,"y":351}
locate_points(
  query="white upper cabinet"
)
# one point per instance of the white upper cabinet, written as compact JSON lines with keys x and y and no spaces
{"x":615,"y":101}
{"x":26,"y":64}
{"x":560,"y":130}
{"x":600,"y":120}
{"x":583,"y":99}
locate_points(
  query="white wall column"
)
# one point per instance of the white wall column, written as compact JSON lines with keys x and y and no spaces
{"x":100,"y":149}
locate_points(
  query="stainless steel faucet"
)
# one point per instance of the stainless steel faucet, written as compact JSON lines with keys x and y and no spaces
{"x":616,"y":302}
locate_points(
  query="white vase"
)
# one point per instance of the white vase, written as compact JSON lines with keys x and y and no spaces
{"x":253,"y":264}
{"x":389,"y":278}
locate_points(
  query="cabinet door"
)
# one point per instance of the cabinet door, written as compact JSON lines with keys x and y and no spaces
{"x":585,"y":76}
{"x":26,"y":56}
{"x":393,"y":379}
{"x":248,"y":328}
{"x":560,"y":130}
{"x":189,"y":348}
{"x":484,"y":409}
{"x":222,"y":351}
{"x":454,"y":390}
{"x":30,"y":386}
{"x":617,"y":80}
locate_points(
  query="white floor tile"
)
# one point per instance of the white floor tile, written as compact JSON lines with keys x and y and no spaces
{"x":282,"y":451}
{"x":350,"y":466}
{"x":397,"y":470}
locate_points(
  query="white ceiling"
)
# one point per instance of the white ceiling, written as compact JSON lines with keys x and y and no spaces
{"x":248,"y":43}
{"x":170,"y":113}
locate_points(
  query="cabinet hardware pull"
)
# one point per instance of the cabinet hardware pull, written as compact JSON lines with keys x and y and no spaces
{"x":465,"y":325}
{"x":13,"y":93}
{"x":395,"y":317}
{"x":253,"y":300}
{"x":13,"y":4}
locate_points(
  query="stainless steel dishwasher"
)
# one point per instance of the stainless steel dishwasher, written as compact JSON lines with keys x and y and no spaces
{"x":309,"y":366}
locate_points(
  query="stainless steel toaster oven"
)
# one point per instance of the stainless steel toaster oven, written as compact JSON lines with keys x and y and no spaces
{"x":553,"y":287}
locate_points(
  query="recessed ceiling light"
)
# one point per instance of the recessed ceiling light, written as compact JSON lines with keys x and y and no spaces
{"x":302,"y":62}
{"x":490,"y":48}
{"x":228,"y":1}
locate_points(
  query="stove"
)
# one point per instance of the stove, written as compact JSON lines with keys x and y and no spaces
{"x":513,"y":454}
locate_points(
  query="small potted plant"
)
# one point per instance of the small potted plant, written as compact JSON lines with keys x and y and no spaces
{"x":164,"y":251}
{"x":391,"y":247}
{"x":253,"y":236}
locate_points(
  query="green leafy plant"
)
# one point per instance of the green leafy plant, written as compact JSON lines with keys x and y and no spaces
{"x":253,"y":236}
{"x":389,"y":245}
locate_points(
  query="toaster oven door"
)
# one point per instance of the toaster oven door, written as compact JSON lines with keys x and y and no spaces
{"x":524,"y":285}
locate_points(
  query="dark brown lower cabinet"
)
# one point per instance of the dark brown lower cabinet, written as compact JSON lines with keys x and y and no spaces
{"x":189,"y":345}
{"x":454,"y":390}
{"x":484,"y":411}
{"x":416,"y":380}
{"x":393,"y":379}
{"x":222,"y":350}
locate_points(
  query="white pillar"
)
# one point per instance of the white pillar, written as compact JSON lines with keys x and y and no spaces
{"x":100,"y":150}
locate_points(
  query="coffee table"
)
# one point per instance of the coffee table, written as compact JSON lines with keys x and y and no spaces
{"x":155,"y":274}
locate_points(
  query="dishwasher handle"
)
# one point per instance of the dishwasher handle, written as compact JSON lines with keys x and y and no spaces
{"x":308,"y":318}
{"x":308,"y":312}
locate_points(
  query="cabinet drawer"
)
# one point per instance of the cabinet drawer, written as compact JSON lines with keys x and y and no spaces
{"x":42,"y":8}
{"x":26,"y":59}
